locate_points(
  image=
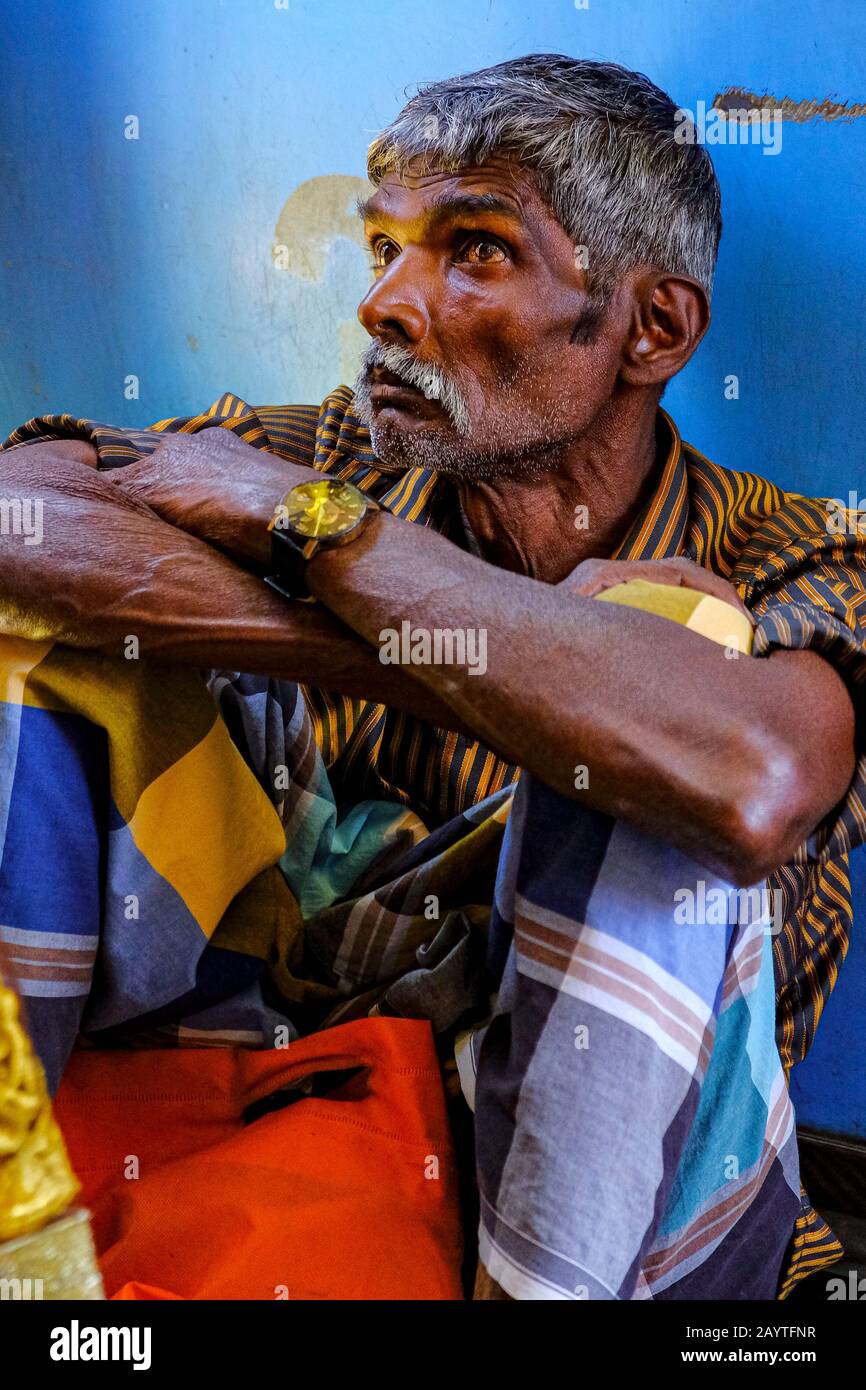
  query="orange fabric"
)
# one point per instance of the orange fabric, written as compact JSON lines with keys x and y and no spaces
{"x":327,"y":1198}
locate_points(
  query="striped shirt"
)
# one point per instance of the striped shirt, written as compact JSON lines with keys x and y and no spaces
{"x":798,"y":564}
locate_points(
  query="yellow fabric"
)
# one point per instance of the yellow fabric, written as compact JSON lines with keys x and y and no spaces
{"x":197,"y":866}
{"x":702,"y":613}
{"x":168,"y":751}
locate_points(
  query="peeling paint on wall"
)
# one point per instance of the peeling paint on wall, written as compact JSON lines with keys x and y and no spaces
{"x":317,"y":212}
{"x":737,"y":99}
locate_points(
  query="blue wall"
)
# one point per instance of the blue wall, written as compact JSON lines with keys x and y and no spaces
{"x":154,"y":256}
{"x":829,"y":1088}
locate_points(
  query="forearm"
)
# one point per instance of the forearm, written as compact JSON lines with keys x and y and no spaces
{"x":107,"y":568}
{"x":675,"y":738}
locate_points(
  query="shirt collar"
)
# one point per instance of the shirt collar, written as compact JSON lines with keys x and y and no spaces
{"x":658,"y":532}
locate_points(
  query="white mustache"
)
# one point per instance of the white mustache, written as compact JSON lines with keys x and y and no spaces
{"x":429,"y":379}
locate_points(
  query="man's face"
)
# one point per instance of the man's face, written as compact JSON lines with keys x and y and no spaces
{"x":488,"y":354}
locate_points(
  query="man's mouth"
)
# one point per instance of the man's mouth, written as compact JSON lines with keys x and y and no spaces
{"x":389,"y":391}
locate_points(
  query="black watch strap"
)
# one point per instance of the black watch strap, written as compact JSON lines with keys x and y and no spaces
{"x":289,"y":565}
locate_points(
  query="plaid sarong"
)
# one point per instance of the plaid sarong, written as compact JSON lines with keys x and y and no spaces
{"x":175,"y":871}
{"x":634,"y":1130}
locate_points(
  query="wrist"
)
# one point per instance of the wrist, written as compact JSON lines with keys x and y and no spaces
{"x":251,"y":536}
{"x":319,"y":516}
{"x":329,"y":572}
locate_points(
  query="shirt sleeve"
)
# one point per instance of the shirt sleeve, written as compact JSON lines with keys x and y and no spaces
{"x":803,"y":577}
{"x":286,"y":430}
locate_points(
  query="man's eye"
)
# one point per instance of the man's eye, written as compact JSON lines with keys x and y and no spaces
{"x":483,"y":250}
{"x":383,"y":251}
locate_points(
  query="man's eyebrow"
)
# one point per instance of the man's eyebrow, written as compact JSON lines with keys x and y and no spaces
{"x":366,"y":209}
{"x":447,"y":207}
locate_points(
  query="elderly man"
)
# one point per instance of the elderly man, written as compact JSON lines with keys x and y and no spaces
{"x":543,"y":248}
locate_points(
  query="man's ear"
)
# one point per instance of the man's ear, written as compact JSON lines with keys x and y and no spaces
{"x":670,"y":315}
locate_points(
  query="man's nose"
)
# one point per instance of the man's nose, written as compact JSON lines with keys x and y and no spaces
{"x":393,"y":309}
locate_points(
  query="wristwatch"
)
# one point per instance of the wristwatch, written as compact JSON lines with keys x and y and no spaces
{"x":313,"y":517}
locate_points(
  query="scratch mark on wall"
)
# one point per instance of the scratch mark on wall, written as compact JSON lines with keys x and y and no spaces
{"x":738,"y":99}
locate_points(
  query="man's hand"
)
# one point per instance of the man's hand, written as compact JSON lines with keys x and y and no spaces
{"x":214,"y":486}
{"x":108,"y":568}
{"x":592,"y":577}
{"x":67,"y":450}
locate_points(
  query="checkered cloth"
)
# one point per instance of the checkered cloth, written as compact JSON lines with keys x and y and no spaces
{"x":166,"y":882}
{"x":634,"y":1131}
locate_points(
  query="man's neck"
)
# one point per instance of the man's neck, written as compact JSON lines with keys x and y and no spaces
{"x":578,"y":509}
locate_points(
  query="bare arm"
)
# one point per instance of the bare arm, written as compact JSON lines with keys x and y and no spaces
{"x":108,"y":567}
{"x":713,"y":755}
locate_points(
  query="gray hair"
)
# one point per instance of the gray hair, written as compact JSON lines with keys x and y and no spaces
{"x":598,"y":140}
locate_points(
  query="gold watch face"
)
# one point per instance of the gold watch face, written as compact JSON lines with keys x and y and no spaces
{"x":321,"y":510}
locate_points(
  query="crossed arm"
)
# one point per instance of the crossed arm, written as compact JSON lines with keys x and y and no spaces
{"x":109,"y":567}
{"x":712,"y":755}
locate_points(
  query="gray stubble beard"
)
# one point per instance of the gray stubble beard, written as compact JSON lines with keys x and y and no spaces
{"x":450,"y":450}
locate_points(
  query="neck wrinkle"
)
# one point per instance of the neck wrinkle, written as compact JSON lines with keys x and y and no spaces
{"x":534,"y":527}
